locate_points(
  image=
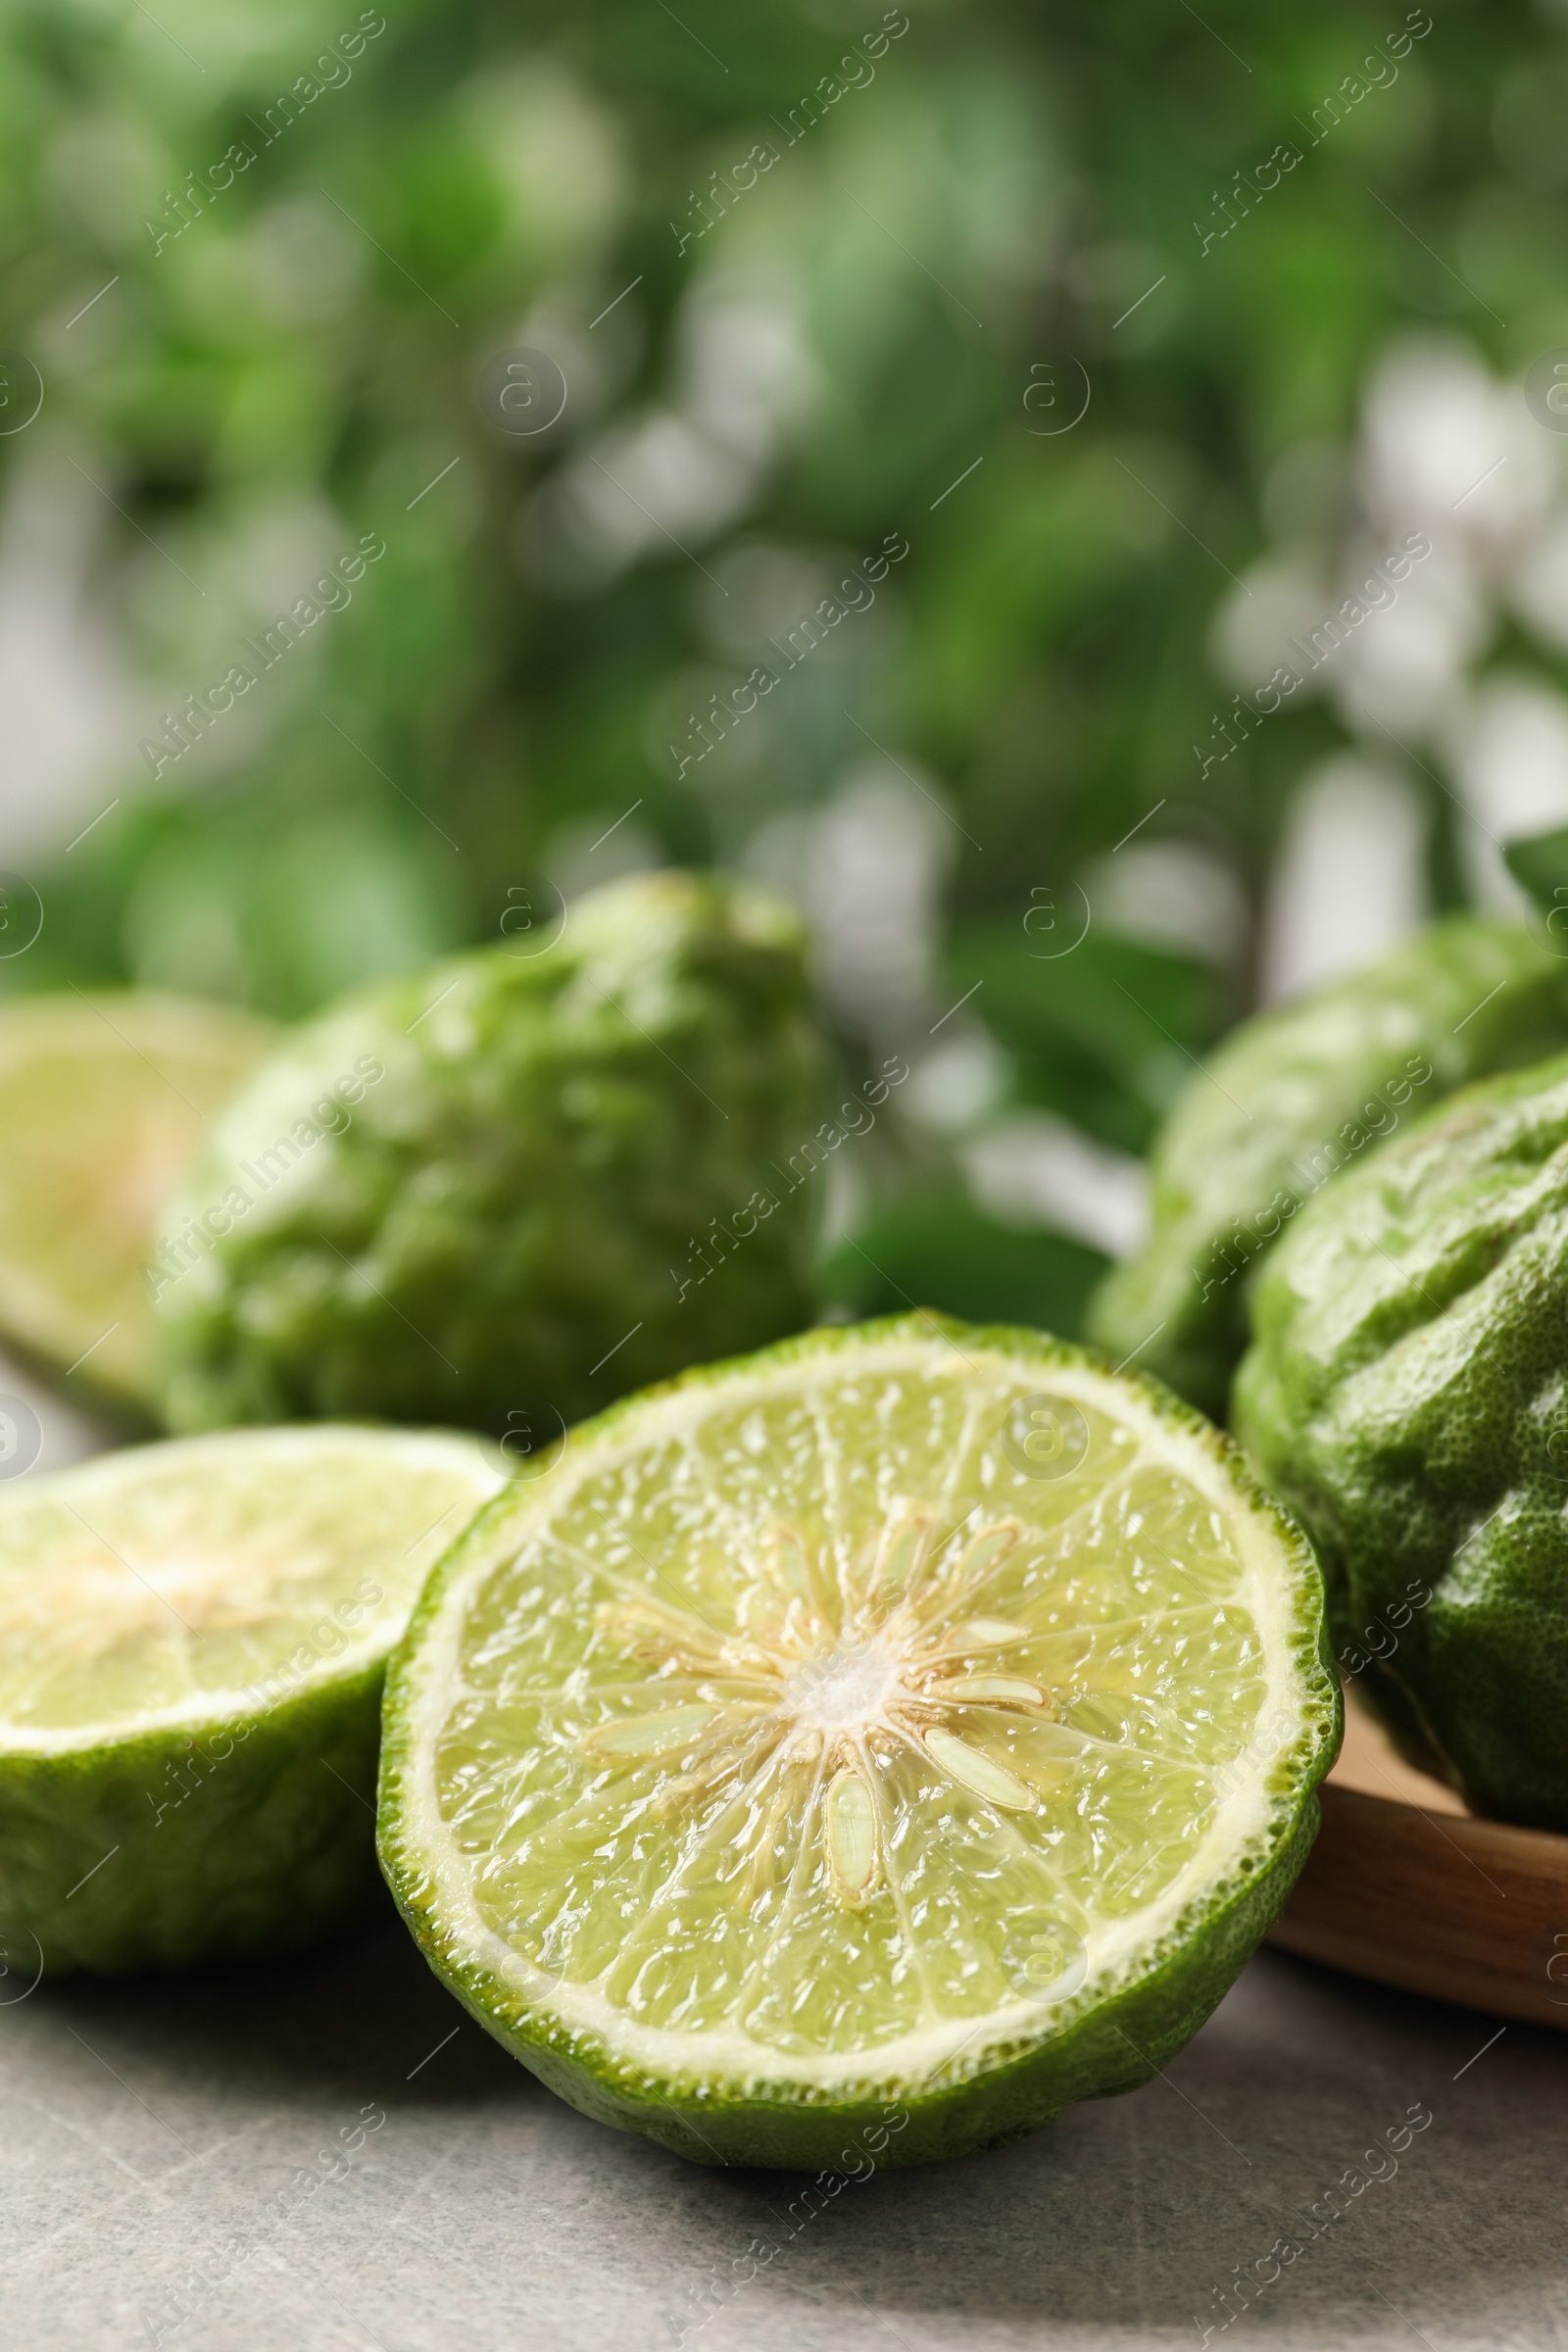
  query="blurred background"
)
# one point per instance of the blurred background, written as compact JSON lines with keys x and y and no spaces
{"x":888,"y":452}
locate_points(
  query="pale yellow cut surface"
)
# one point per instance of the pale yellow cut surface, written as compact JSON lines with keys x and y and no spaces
{"x":180,"y":1583}
{"x":104,"y":1101}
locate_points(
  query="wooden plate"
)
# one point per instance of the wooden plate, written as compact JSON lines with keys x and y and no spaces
{"x":1405,"y":1885}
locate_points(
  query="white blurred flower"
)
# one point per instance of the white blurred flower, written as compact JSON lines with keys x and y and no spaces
{"x":1450,"y":467}
{"x":743,"y":371}
{"x":957,"y":1082}
{"x":1538,"y":589}
{"x":1447,"y":456}
{"x":1399,"y":667}
{"x":868,"y":871}
{"x":1446,"y":448}
{"x":1349,"y":880}
{"x":1172,"y":893}
{"x":1281,"y":596}
{"x":558,"y":153}
{"x":1031,"y":1168}
{"x":68,"y":710}
{"x":682,"y":472}
{"x":653,"y":479}
{"x":875,"y":863}
{"x":1510,"y":758}
{"x":1449,"y":451}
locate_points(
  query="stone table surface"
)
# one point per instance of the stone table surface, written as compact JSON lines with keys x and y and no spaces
{"x":331,"y":2153}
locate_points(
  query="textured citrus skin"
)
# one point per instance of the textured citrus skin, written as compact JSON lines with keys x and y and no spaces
{"x":1291,"y":1097}
{"x":1113,"y":2047}
{"x":495,"y":1231}
{"x":247,"y":1839}
{"x":1406,"y":1393}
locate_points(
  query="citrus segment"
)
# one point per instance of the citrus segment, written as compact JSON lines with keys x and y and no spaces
{"x":797,"y":1744}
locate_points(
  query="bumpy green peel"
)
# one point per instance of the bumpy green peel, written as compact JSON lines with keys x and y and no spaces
{"x":1296,"y":1095}
{"x":244,"y":1839}
{"x":502,"y":1191}
{"x":1407,"y":1395}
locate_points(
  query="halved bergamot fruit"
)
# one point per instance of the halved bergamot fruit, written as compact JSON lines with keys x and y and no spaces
{"x":907,"y":1715}
{"x":192,"y":1644}
{"x":103,"y":1102}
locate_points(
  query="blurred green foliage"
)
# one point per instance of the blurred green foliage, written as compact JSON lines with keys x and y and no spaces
{"x":1082,"y":1031}
{"x":936,"y":1249}
{"x":855,"y":347}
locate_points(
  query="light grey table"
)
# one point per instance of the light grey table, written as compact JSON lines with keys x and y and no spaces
{"x":331,"y":2153}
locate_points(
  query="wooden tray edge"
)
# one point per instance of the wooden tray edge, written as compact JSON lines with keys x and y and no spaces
{"x":1452,"y":1907}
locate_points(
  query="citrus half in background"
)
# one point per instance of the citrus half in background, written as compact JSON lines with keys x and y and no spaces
{"x":103,"y":1102}
{"x":192,"y":1644}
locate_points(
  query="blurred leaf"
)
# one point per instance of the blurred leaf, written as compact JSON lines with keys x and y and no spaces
{"x":944,"y":1252}
{"x":785,"y":366}
{"x":221,"y":899}
{"x":1106,"y":1034}
{"x":1539,"y":863}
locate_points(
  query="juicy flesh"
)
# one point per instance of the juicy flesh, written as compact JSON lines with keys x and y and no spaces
{"x":192,"y":1584}
{"x":96,"y":1130}
{"x":819,"y":1722}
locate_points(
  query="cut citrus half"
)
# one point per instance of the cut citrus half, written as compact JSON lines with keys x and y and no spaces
{"x":103,"y":1102}
{"x":192,"y":1644}
{"x":909,"y":1717}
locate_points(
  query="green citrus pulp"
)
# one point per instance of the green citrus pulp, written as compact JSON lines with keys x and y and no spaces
{"x":103,"y":1102}
{"x":192,"y":1644}
{"x":906,"y":1713}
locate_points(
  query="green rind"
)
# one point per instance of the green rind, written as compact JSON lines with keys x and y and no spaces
{"x":1406,"y":1393}
{"x":268,"y":1852}
{"x":1114,"y":2047}
{"x":1294,"y":1094}
{"x":535,"y":1190}
{"x":1118,"y":2046}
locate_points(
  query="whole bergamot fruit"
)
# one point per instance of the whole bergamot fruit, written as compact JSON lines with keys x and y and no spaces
{"x":1406,"y":1393}
{"x":1293,"y":1096}
{"x":500,"y":1192}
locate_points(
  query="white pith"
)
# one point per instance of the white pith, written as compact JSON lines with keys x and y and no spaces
{"x":106,"y":1593}
{"x":828,"y":1708}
